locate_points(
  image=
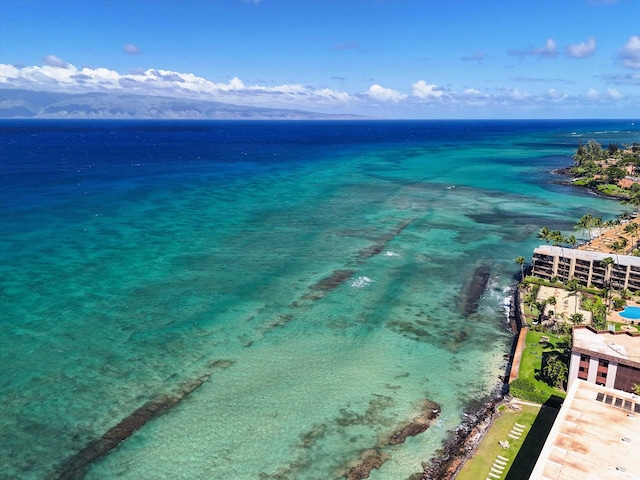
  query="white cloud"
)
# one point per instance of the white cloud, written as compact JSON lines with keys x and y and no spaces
{"x":377,"y":100}
{"x":385,"y":94}
{"x":549,"y":50}
{"x":131,"y":49}
{"x":592,"y":94}
{"x":630,"y":53}
{"x":422,"y":89}
{"x":556,"y":96}
{"x":165,"y":82}
{"x":514,"y":94}
{"x":472,"y":92}
{"x":53,"y":61}
{"x":614,"y":94}
{"x":8,"y":72}
{"x":581,"y":50}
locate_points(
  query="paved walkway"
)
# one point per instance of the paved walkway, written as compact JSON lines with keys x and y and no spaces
{"x":517,"y":356}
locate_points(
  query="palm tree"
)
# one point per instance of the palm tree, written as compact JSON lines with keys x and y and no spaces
{"x":624,"y":215}
{"x":611,"y":223}
{"x":618,"y":247}
{"x":573,"y":286}
{"x":597,"y":223}
{"x":606,"y":295}
{"x":584,"y":224}
{"x":556,"y":237}
{"x":552,"y":301}
{"x":607,"y":269}
{"x":571,"y":240}
{"x":520,"y":261}
{"x":635,"y":201}
{"x":544,"y":234}
{"x":632,"y":229}
{"x":556,"y":370}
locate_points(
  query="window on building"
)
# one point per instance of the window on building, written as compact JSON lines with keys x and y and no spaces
{"x":603,"y":369}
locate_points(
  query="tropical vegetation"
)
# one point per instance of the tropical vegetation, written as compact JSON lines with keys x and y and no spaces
{"x":543,"y":366}
{"x":602,"y":168}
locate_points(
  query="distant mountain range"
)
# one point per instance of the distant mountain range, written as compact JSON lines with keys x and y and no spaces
{"x":36,"y":104}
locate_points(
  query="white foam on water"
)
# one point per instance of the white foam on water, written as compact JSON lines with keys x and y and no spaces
{"x":361,"y":282}
{"x":389,"y":253}
{"x":499,"y":295}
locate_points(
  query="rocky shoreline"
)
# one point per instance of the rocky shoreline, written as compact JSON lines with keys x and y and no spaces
{"x":462,"y":444}
{"x":464,"y":440}
{"x":566,"y":172}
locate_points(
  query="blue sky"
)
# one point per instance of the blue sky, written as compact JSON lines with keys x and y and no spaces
{"x":383,"y":58}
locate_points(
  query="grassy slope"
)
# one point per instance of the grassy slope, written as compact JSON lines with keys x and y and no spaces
{"x":531,"y":362}
{"x":478,"y":467}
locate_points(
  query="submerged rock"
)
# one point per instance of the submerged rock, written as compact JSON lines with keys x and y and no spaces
{"x":474,"y":289}
{"x":369,"y":459}
{"x":76,"y":467}
{"x":331,"y":282}
{"x":375,"y":457}
{"x":430,"y":411}
{"x":381,"y":243}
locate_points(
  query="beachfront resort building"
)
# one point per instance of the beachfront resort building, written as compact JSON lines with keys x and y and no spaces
{"x":595,"y":435}
{"x":589,"y":267}
{"x":610,"y":359}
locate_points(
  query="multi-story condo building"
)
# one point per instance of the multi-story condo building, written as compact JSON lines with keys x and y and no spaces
{"x":590,"y":268}
{"x":611,"y":359}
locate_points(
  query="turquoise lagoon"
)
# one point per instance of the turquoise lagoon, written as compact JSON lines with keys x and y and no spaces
{"x":139,"y":256}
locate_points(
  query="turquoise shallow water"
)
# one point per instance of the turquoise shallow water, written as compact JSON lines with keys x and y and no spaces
{"x":136,"y":257}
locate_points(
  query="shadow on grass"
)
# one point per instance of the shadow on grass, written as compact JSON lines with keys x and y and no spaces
{"x":530,"y":451}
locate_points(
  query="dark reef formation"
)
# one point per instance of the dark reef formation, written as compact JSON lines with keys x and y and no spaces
{"x":375,"y":457}
{"x":76,"y":467}
{"x":381,"y":242}
{"x":369,"y":460}
{"x":330,"y":283}
{"x":474,"y":289}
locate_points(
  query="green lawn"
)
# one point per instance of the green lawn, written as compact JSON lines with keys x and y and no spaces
{"x":532,"y":446}
{"x":478,"y":467}
{"x":531,"y":363}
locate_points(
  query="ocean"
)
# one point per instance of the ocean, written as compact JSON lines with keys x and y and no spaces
{"x":262,"y":300}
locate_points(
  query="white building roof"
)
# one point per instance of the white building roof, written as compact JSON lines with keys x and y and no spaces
{"x":621,"y":345}
{"x":592,"y":438}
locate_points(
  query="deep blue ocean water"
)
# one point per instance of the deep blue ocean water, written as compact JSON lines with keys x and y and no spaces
{"x":139,"y":256}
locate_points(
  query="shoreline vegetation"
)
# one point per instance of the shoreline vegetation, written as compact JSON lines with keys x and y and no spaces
{"x":611,"y":172}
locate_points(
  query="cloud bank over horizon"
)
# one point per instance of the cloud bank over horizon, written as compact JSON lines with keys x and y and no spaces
{"x":58,"y":75}
{"x":390,"y":59}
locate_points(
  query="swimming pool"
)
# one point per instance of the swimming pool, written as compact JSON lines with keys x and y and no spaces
{"x":631,"y":313}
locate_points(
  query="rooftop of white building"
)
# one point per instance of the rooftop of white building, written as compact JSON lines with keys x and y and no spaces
{"x":595,"y":436}
{"x":622,"y":346}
